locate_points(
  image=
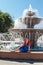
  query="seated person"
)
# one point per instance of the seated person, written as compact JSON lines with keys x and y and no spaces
{"x":26,"y":46}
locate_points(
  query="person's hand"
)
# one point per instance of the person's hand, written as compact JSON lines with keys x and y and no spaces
{"x":29,"y":48}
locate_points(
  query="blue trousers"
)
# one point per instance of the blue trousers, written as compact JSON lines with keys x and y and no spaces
{"x":24,"y":48}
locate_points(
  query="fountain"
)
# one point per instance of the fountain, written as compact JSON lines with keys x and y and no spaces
{"x":30,"y":18}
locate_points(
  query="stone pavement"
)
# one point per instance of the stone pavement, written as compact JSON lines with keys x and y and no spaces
{"x":21,"y":62}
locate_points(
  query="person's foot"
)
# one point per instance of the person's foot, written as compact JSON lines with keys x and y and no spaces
{"x":17,"y":50}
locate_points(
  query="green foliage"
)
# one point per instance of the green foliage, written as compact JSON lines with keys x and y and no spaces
{"x":6,"y":22}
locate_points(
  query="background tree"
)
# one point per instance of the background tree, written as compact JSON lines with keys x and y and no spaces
{"x":6,"y":22}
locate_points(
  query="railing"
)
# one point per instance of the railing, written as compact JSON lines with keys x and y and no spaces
{"x":6,"y":37}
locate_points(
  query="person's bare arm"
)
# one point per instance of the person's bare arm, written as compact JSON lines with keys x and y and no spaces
{"x":29,"y":48}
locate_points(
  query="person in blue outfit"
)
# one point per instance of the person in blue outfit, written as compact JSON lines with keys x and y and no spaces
{"x":26,"y":46}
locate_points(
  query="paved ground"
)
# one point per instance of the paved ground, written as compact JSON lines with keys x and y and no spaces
{"x":20,"y":62}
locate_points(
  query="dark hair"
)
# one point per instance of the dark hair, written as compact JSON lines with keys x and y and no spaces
{"x":26,"y":35}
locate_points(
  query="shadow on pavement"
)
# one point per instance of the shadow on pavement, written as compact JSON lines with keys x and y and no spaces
{"x":22,"y":61}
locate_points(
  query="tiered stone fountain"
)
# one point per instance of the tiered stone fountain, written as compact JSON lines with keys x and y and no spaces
{"x":30,"y":18}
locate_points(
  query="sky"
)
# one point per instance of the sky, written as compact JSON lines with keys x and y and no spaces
{"x":16,"y":7}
